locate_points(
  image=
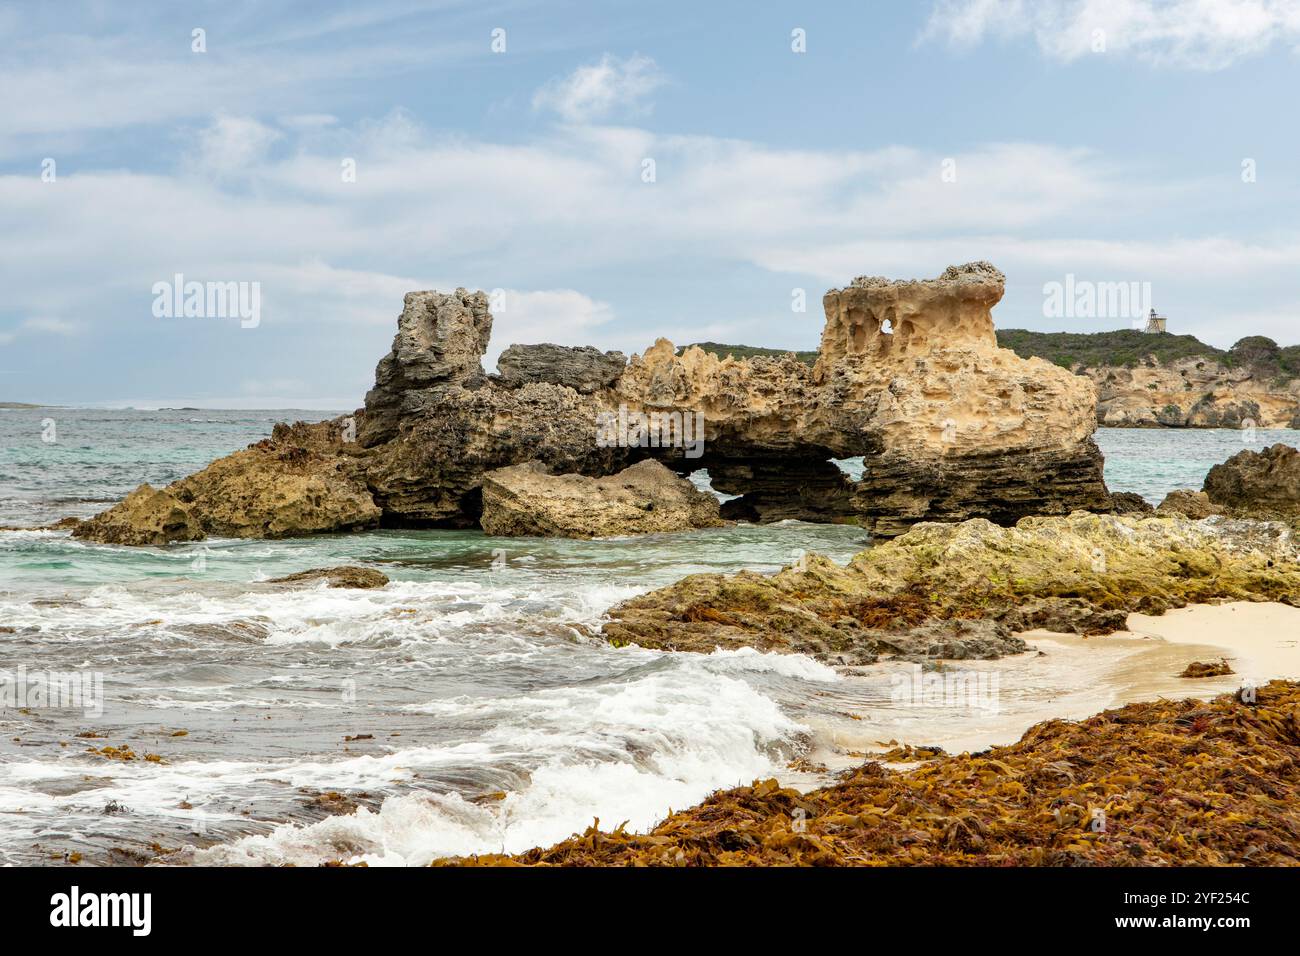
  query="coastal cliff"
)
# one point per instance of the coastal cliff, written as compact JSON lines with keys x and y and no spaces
{"x":1175,"y":381}
{"x":1153,"y":381}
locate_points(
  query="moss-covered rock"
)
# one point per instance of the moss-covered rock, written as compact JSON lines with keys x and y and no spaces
{"x":962,"y":590}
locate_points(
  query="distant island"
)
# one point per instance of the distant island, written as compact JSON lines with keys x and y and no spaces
{"x":18,"y":405}
{"x":1147,"y":380}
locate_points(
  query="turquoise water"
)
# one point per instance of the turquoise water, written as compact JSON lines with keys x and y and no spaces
{"x":56,"y":462}
{"x":475,"y":673}
{"x":1153,"y":462}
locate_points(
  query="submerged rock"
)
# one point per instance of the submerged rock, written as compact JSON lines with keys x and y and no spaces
{"x":343,"y":576}
{"x":962,"y":590}
{"x":643,"y":499}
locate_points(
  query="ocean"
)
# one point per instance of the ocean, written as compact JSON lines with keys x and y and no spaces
{"x":209,"y":717}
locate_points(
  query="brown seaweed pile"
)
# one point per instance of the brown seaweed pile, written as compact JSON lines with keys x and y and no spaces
{"x":1185,"y":782}
{"x":1198,"y":669}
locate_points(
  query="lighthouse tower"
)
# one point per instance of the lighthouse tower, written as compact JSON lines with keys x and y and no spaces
{"x":1156,"y":323}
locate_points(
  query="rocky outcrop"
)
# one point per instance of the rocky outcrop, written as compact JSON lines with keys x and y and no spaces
{"x":300,"y":481}
{"x":1130,"y":503}
{"x":440,"y":341}
{"x":583,"y":369}
{"x":1263,"y":481}
{"x":1176,"y":381}
{"x":147,"y":516}
{"x":963,"y":590}
{"x":343,"y":576}
{"x":909,"y":376}
{"x":434,"y":423}
{"x":643,"y":499}
{"x":898,"y":491}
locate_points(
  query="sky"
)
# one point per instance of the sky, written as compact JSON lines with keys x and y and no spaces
{"x":614,"y":172}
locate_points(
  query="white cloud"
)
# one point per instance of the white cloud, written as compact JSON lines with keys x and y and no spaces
{"x":231,"y":143}
{"x":597,"y":91}
{"x":49,"y":326}
{"x":593,"y":255}
{"x":42,"y":325}
{"x":1191,"y":34}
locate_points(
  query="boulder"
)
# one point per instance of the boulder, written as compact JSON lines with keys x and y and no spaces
{"x":146,"y":516}
{"x":343,"y":576}
{"x":1190,"y":504}
{"x":643,"y":499}
{"x":1268,"y":480}
{"x":583,"y":369}
{"x":966,"y":589}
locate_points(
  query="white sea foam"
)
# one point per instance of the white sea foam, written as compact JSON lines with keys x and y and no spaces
{"x":616,"y":751}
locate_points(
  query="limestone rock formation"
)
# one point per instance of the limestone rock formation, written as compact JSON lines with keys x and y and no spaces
{"x":643,"y":499}
{"x":1192,"y":392}
{"x":583,"y":369}
{"x":909,"y":377}
{"x":1131,"y":503}
{"x":147,"y":515}
{"x":299,"y":481}
{"x":440,"y":340}
{"x":1257,"y":481}
{"x":434,"y":423}
{"x":343,"y":576}
{"x":961,"y":590}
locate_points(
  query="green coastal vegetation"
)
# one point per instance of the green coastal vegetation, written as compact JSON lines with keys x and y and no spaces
{"x":1127,"y":348}
{"x":1122,"y":348}
{"x":751,"y":351}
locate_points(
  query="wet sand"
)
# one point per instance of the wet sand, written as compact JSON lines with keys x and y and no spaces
{"x":1260,"y":641}
{"x":1065,"y":676}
